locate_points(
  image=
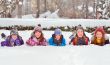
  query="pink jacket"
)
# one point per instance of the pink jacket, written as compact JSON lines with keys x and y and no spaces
{"x":34,"y":42}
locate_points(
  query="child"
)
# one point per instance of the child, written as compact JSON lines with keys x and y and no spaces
{"x":13,"y":39}
{"x":73,"y":35}
{"x":57,"y":38}
{"x":37,"y":38}
{"x":99,"y":37}
{"x":80,"y":37}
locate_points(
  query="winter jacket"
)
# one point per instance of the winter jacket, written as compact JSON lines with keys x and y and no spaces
{"x":11,"y":42}
{"x":54,"y":42}
{"x":71,"y":37}
{"x":81,"y":41}
{"x":35,"y":42}
{"x":101,"y":44}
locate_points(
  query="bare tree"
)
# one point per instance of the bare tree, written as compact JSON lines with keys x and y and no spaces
{"x":45,"y":5}
{"x":7,"y":7}
{"x":38,"y":8}
{"x":86,"y":6}
{"x":19,"y":8}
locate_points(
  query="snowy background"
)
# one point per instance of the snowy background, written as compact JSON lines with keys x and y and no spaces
{"x":54,"y":13}
{"x":53,"y":55}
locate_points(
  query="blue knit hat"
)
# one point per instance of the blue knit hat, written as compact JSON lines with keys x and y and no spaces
{"x":57,"y":31}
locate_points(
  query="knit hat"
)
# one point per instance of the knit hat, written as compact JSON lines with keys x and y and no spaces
{"x":79,"y":27}
{"x":38,"y":28}
{"x":14,"y":32}
{"x":57,"y":31}
{"x":39,"y":25}
{"x":100,"y":29}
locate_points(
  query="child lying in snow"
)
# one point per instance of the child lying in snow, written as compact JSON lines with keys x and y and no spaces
{"x":57,"y":38}
{"x":80,"y":38}
{"x":99,"y":37}
{"x":13,"y":39}
{"x":37,"y":38}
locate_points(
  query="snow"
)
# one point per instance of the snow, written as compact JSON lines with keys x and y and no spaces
{"x":108,"y":29}
{"x":45,"y":15}
{"x":90,"y":9}
{"x":54,"y":14}
{"x":80,"y":7}
{"x":54,"y":22}
{"x":49,"y":14}
{"x":53,"y":55}
{"x":31,"y":16}
{"x":99,"y":9}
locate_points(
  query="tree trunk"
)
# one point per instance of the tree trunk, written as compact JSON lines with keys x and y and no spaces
{"x":45,"y":5}
{"x":19,"y":9}
{"x":87,"y":9}
{"x":38,"y":8}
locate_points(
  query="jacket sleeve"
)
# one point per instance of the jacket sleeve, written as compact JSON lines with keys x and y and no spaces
{"x":71,"y":37}
{"x":22,"y":42}
{"x":44,"y":43}
{"x":5,"y":43}
{"x":19,"y":41}
{"x":51,"y":42}
{"x":87,"y":41}
{"x":30,"y":42}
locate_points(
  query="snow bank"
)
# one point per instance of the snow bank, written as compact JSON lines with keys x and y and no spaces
{"x":54,"y":22}
{"x":49,"y":14}
{"x":45,"y":15}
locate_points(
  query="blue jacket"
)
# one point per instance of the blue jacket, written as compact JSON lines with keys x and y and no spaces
{"x":51,"y":42}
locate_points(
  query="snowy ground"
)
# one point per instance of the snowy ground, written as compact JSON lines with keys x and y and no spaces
{"x":50,"y":55}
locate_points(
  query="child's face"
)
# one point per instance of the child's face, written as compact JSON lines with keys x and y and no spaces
{"x":80,"y":33}
{"x":14,"y":37}
{"x":99,"y":34}
{"x":37,"y":34}
{"x":58,"y":37}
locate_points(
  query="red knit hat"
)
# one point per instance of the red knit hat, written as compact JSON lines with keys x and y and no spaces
{"x":100,"y":29}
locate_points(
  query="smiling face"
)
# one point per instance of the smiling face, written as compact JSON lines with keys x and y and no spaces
{"x":80,"y":33}
{"x":14,"y":36}
{"x":58,"y":37}
{"x":37,"y":34}
{"x":99,"y":35}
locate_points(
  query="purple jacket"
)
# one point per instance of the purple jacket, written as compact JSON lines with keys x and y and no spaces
{"x":11,"y":42}
{"x":34,"y":42}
